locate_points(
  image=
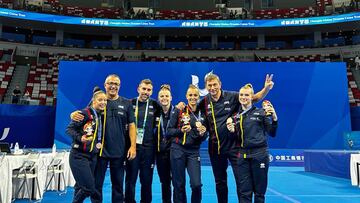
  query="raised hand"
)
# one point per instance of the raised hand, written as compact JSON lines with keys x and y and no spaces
{"x":269,"y":84}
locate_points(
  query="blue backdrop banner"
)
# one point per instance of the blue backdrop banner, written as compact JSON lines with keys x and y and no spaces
{"x":32,"y":126}
{"x":311,"y":99}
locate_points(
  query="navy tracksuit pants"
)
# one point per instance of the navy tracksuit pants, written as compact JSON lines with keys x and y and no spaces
{"x":254,"y":176}
{"x":164,"y":171}
{"x":142,"y":165}
{"x":82,"y":166}
{"x":219,"y":164}
{"x":116,"y":176}
{"x":186,"y":159}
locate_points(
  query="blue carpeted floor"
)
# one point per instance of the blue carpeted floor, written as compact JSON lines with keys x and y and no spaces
{"x":286,"y":184}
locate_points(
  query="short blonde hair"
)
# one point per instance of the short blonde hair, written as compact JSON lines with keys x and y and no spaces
{"x":212,"y":76}
{"x":193,"y":87}
{"x":164,"y":87}
{"x":248,"y":86}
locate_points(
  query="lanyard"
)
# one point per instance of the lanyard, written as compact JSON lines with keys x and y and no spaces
{"x":137,"y":113}
{"x":162,"y":128}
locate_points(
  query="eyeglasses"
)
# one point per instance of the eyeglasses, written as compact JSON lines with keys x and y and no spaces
{"x":165,"y":86}
{"x":113,"y":84}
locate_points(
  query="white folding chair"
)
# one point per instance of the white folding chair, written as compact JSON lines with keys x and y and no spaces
{"x":56,"y":167}
{"x":28,"y":170}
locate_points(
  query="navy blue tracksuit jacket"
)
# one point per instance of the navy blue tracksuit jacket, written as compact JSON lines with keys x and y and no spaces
{"x":251,"y":129}
{"x":184,"y":153}
{"x":83,"y":156}
{"x":223,"y":147}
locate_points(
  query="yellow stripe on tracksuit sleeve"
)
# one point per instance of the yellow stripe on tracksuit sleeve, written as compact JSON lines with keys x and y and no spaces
{"x":95,"y":134}
{"x":184,"y":138}
{"x":216,"y":133}
{"x":241,"y":130}
{"x":158,"y":144}
{"x":103,"y":133}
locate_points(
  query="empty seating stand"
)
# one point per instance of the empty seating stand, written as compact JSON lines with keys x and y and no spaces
{"x":339,"y":41}
{"x":74,"y":43}
{"x":44,"y":40}
{"x":299,"y":44}
{"x":6,"y":72}
{"x":187,"y":59}
{"x":101,"y":44}
{"x":284,"y":13}
{"x":353,"y":90}
{"x":187,"y":14}
{"x":299,"y":58}
{"x":42,"y":82}
{"x":13,"y":37}
{"x":226,"y":45}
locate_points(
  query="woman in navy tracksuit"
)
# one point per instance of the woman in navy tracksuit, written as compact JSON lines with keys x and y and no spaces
{"x":87,"y":142}
{"x":251,"y":127}
{"x":187,"y":129}
{"x":163,"y":143}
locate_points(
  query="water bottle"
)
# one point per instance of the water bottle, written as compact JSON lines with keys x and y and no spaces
{"x":53,"y":150}
{"x":16,"y":149}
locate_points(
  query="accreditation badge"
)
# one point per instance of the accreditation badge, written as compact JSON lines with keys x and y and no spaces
{"x":139,"y":136}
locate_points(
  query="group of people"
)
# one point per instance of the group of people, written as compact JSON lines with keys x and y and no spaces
{"x":17,"y":98}
{"x":130,"y":136}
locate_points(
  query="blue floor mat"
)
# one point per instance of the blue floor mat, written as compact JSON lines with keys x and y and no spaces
{"x":286,"y":184}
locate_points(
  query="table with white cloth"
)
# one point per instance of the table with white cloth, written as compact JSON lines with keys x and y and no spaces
{"x":355,"y":169}
{"x":11,"y":162}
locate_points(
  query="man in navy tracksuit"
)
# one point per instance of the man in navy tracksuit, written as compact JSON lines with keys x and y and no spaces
{"x":87,"y":142}
{"x":119,"y":126}
{"x":163,"y":142}
{"x":187,"y":130}
{"x":147,"y":111}
{"x":250,"y":125}
{"x":217,"y":106}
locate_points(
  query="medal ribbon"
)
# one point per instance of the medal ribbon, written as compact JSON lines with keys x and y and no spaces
{"x":161,"y":127}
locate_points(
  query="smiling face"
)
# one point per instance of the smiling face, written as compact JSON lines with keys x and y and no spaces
{"x":164,"y":97}
{"x":193,"y":96}
{"x":245,"y":96}
{"x":214,"y":87}
{"x":112,"y":86}
{"x":99,"y":101}
{"x":145,"y":91}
